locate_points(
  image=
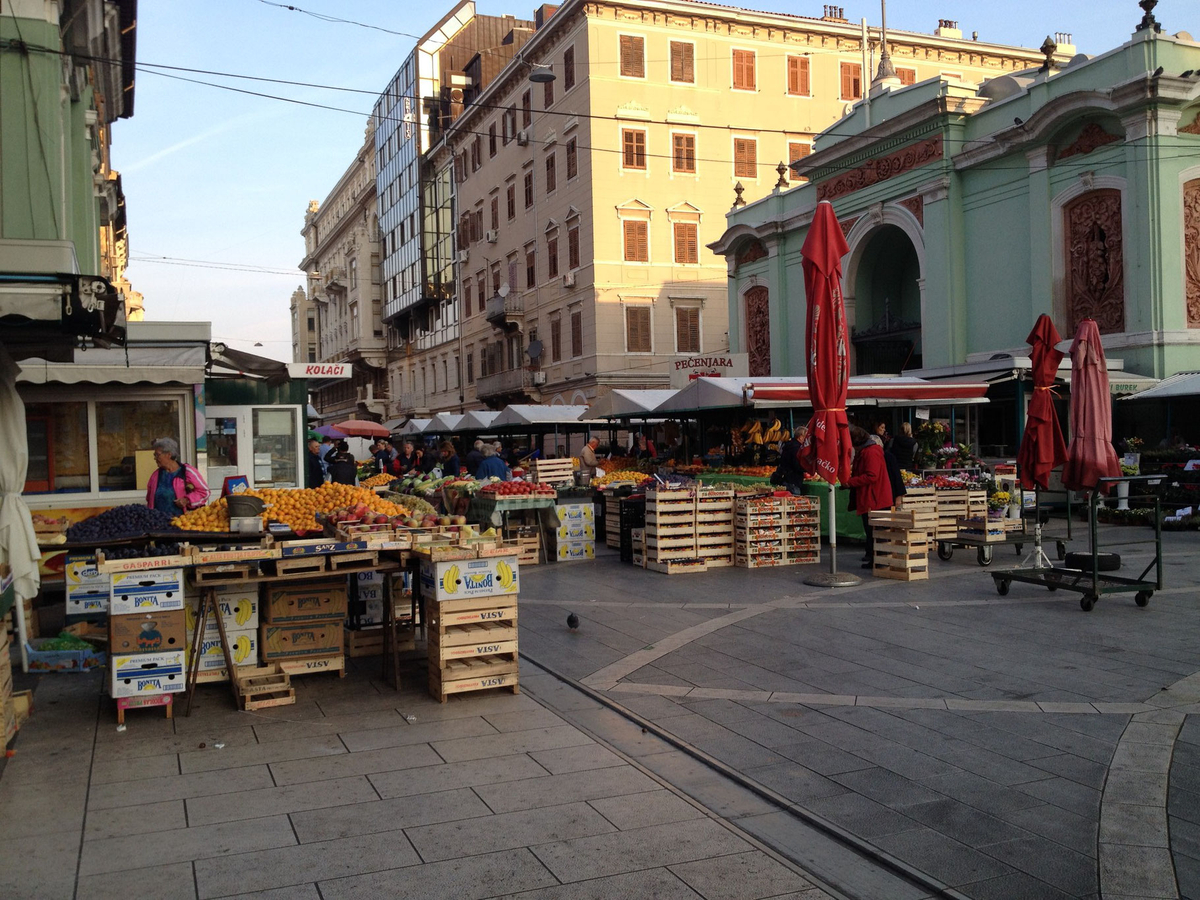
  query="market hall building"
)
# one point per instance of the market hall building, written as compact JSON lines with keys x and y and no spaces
{"x":1071,"y":191}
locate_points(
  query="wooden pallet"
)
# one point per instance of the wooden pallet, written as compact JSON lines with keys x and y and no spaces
{"x":478,"y":674}
{"x":240,"y":571}
{"x":263,"y":687}
{"x":553,"y":471}
{"x":339,"y":561}
{"x":299,"y":565}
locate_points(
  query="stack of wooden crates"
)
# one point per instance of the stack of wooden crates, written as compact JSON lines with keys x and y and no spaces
{"x":901,"y":544}
{"x":714,"y":528}
{"x":303,"y":622}
{"x":776,"y":531}
{"x":671,"y":536}
{"x":948,"y":506}
{"x":147,"y":633}
{"x":470,"y":615}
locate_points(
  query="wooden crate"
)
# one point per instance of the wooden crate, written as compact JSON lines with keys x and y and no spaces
{"x":915,"y":497}
{"x":237,"y":571}
{"x":263,"y":687}
{"x":900,"y":554}
{"x":981,"y":528}
{"x":361,"y":559}
{"x":719,"y":562}
{"x":553,"y":471}
{"x":362,"y":642}
{"x":478,"y":674}
{"x":314,"y":665}
{"x":760,"y":560}
{"x":298,"y":565}
{"x":677,"y":566}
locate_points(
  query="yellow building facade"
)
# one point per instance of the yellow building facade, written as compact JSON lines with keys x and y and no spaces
{"x":584,"y":204}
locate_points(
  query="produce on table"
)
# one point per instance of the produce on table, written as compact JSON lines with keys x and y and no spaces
{"x":295,"y":507}
{"x":416,"y":506}
{"x":628,"y":475}
{"x":377,"y":480}
{"x":65,"y":641}
{"x":519,"y":489}
{"x":119,"y":522}
{"x":141,"y":552}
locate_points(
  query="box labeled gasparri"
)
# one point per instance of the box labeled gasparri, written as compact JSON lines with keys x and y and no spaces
{"x":459,"y":578}
{"x":154,"y":590}
{"x":147,"y":673}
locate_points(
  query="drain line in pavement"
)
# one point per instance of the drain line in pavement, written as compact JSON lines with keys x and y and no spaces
{"x":835,"y":832}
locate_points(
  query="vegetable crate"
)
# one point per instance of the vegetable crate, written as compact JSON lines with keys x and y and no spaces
{"x":553,"y":471}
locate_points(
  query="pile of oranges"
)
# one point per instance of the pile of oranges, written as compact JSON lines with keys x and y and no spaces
{"x":376,"y":480}
{"x":295,"y":507}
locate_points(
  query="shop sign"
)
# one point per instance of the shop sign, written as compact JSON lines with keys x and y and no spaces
{"x":710,"y":365}
{"x":318,"y":370}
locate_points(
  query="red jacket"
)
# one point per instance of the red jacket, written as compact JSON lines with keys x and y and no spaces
{"x":869,"y":478}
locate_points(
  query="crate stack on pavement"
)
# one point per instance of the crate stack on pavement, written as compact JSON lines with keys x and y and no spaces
{"x":901,"y":544}
{"x":87,"y":588}
{"x":671,"y":536}
{"x":802,"y":529}
{"x":302,"y":625}
{"x":575,"y":537}
{"x":714,"y":527}
{"x":759,"y":530}
{"x":147,"y":631}
{"x":470,"y":615}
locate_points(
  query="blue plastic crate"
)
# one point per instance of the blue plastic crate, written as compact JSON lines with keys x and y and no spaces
{"x":63,"y":660}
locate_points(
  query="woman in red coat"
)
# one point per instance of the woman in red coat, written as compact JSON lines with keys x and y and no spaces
{"x":869,"y":481}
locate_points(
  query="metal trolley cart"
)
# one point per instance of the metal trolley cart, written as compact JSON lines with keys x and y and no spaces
{"x":1090,"y":582}
{"x":985,"y":549}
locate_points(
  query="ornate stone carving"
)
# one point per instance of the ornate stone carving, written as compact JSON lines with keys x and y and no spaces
{"x":758,"y":331}
{"x":1194,"y":128}
{"x":1095,"y":264}
{"x":916,"y":206}
{"x":1191,"y":251}
{"x":752,"y":251}
{"x":847,"y":225}
{"x":1091,"y":138}
{"x":881,"y":169}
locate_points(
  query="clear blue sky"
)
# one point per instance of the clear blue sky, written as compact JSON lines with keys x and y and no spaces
{"x":223,"y":178}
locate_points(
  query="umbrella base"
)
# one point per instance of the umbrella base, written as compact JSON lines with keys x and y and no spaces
{"x":832,"y":579}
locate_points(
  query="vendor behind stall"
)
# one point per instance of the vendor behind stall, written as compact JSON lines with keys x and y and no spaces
{"x":174,"y":487}
{"x":492,"y":466}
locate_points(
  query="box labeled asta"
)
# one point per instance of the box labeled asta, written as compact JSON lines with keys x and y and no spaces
{"x":131,"y":675}
{"x":456,"y":579}
{"x":314,"y":601}
{"x":239,"y":609}
{"x":147,"y":632}
{"x":155,"y":590}
{"x":568,"y":550}
{"x":284,"y":641}
{"x":243,"y":647}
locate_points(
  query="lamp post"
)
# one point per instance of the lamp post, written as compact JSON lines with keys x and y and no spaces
{"x":886,"y":69}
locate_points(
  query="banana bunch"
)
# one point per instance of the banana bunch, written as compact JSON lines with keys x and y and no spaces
{"x":786,"y":436}
{"x":505,"y":575}
{"x":755,"y":434}
{"x":773,"y":432}
{"x":242,"y":611}
{"x":241,"y":648}
{"x":450,"y":580}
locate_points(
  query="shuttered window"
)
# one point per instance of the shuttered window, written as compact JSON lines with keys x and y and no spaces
{"x":526,"y":109}
{"x":530,"y":267}
{"x":481,"y":291}
{"x":547,"y":94}
{"x":745,"y":157}
{"x":492,"y":139}
{"x":512,"y":274}
{"x":633,"y":56}
{"x":798,"y":150}
{"x":528,"y":189}
{"x":467,"y":297}
{"x":512,"y":201}
{"x":555,"y":340}
{"x":572,"y":159}
{"x":552,"y":257}
{"x":568,"y":68}
{"x":851,"y":81}
{"x":633,"y":144}
{"x":687,"y":249}
{"x":637,"y":329}
{"x":683,"y":153}
{"x":495,"y":213}
{"x":798,"y":83}
{"x":683,"y":62}
{"x":551,"y":175}
{"x":470,"y":368}
{"x":907,"y":76}
{"x":573,"y":247}
{"x":637,"y":241}
{"x":743,"y":70}
{"x":577,"y":333}
{"x":687,"y":329}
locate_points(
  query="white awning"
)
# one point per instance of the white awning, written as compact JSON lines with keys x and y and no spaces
{"x":625,"y":403}
{"x":414,"y":426}
{"x":443,"y":423}
{"x":1183,"y":384}
{"x":141,"y":365}
{"x":478,"y":420}
{"x":522,"y":415}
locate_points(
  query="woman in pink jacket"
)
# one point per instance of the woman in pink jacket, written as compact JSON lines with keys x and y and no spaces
{"x":870,"y":483}
{"x":174,"y":487}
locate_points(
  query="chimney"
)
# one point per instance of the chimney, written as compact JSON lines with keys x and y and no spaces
{"x":542,"y":15}
{"x":834,"y":14}
{"x":948,"y":28}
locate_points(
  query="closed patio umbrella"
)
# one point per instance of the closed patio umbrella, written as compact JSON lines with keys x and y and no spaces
{"x":1090,"y":456}
{"x":18,"y":541}
{"x":1042,"y":446}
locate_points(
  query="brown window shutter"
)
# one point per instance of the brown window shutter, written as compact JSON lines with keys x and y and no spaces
{"x":577,"y":334}
{"x":632,"y":57}
{"x":495,"y":213}
{"x":676,"y":61}
{"x":568,"y":68}
{"x":573,"y":248}
{"x":689,"y":62}
{"x":685,"y":242}
{"x":745,"y":158}
{"x":552,"y":257}
{"x":687,"y":330}
{"x":637,"y":319}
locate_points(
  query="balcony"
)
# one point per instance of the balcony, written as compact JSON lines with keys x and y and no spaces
{"x":414,"y":404}
{"x":512,"y":381}
{"x":505,"y":312}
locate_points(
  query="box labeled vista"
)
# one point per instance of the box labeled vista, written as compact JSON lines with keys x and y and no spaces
{"x":155,"y":590}
{"x":131,"y":675}
{"x":147,"y":632}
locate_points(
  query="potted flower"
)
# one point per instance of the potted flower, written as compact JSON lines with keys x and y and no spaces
{"x":998,"y":503}
{"x":1127,"y":470}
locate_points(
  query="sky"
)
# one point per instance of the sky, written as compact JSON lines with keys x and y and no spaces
{"x":217,"y":180}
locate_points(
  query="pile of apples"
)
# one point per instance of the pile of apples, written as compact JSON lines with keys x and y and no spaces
{"x":519,"y":488}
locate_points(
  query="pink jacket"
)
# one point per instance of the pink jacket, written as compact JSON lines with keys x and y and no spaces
{"x":191,"y":486}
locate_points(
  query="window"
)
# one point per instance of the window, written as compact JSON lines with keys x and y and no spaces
{"x":555,"y":340}
{"x":495,"y":213}
{"x":528,"y":189}
{"x":633,"y":56}
{"x":57,"y":438}
{"x":683,"y":62}
{"x":577,"y":333}
{"x":470,"y":367}
{"x":573,"y":247}
{"x":637,"y":329}
{"x":492,"y":139}
{"x":743,"y":70}
{"x":530,"y":267}
{"x":907,"y":76}
{"x":568,"y":68}
{"x":798,"y":150}
{"x":797,"y":75}
{"x":466,"y":297}
{"x":572,"y":159}
{"x":745,"y":157}
{"x":683,"y":153}
{"x":637,"y":241}
{"x":547,"y":94}
{"x":551,"y":175}
{"x":353,"y":273}
{"x":526,"y":109}
{"x":687,"y":242}
{"x":481,"y":291}
{"x":476,"y":153}
{"x":552,"y":257}
{"x":496,"y":278}
{"x":512,"y":274}
{"x":633,"y":144}
{"x":512,"y":201}
{"x":510,"y":124}
{"x":851,"y":81}
{"x":687,"y":329}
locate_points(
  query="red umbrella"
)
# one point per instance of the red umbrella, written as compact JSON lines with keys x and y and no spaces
{"x":1091,"y":455}
{"x":361,"y":428}
{"x":1042,"y":446}
{"x":827,"y":344}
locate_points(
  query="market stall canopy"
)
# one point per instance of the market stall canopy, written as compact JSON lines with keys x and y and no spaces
{"x":619,"y":404}
{"x":521,"y":416}
{"x":229,"y":362}
{"x":1182,"y":384}
{"x":443,"y":423}
{"x":311,"y":412}
{"x":871,"y":390}
{"x":478,"y":420}
{"x":413,"y":426}
{"x":392,"y":425}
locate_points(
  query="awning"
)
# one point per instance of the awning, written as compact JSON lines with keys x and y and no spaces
{"x":478,"y":420}
{"x":413,"y":426}
{"x":140,"y":365}
{"x":875,"y":391}
{"x":524,"y":415}
{"x":629,"y":404}
{"x":393,"y":425}
{"x":1183,"y":384}
{"x":443,"y":423}
{"x":1122,"y":383}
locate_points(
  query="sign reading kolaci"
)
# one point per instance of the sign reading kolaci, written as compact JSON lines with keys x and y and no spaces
{"x":319,"y":370}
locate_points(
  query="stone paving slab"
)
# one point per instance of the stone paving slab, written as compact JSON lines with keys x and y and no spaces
{"x":174,"y":881}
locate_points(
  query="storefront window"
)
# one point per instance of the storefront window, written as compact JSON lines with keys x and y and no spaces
{"x":123,"y":427}
{"x":58,"y":448}
{"x":275,"y":448}
{"x":222,"y":442}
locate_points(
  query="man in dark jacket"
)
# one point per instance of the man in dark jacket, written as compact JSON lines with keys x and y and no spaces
{"x":314,"y":474}
{"x":474,"y":458}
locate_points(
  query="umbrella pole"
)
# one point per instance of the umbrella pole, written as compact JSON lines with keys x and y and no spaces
{"x":832,"y":578}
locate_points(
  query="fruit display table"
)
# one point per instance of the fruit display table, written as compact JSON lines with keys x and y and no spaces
{"x":490,"y":509}
{"x":720,"y":478}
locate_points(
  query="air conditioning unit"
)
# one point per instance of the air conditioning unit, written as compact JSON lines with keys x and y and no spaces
{"x":522,"y":138}
{"x":464,"y":256}
{"x":569,"y":280}
{"x":491,"y":235}
{"x":539,"y":377}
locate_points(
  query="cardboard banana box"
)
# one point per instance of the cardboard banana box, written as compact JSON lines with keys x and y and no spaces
{"x":456,"y":579}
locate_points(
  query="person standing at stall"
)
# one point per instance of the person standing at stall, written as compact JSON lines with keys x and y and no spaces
{"x":174,"y":487}
{"x":870,"y":483}
{"x":474,"y":458}
{"x":587,"y":457}
{"x":492,"y":466}
{"x":343,"y":469}
{"x":904,"y":445}
{"x":314,"y":472}
{"x":449,"y":460}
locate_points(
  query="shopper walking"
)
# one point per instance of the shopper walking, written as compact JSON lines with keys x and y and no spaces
{"x":870,"y":483}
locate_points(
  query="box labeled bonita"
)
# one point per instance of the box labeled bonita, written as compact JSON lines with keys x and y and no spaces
{"x":455,"y":579}
{"x":153,"y":591}
{"x":135,"y":674}
{"x":243,"y":647}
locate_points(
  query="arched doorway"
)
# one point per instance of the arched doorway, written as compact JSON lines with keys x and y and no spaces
{"x":887,"y":303}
